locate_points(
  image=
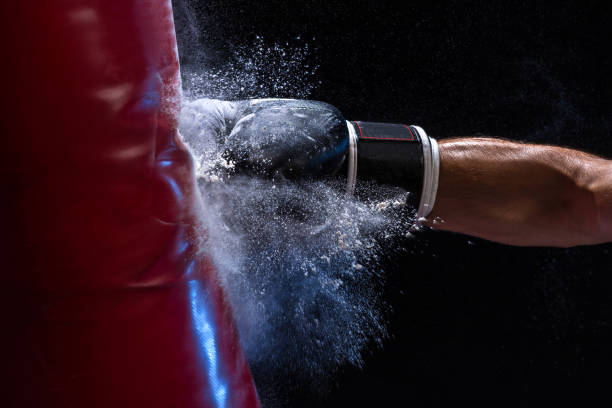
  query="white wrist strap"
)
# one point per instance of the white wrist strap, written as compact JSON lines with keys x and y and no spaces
{"x":431,"y":164}
{"x":352,"y":159}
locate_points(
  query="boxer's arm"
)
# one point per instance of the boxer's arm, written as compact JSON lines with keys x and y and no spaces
{"x":523,"y":194}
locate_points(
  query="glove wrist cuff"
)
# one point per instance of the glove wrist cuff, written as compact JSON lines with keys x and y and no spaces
{"x":395,"y":154}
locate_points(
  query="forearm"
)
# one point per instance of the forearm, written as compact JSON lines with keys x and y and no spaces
{"x":523,"y":194}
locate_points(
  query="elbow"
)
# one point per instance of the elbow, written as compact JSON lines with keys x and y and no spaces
{"x":600,"y":191}
{"x":590,"y":215}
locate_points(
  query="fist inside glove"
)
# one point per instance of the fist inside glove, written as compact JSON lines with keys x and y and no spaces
{"x":288,"y":138}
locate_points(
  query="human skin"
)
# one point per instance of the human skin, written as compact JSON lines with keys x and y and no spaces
{"x":523,"y":194}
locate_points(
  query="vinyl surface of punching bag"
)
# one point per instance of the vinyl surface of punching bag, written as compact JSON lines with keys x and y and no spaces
{"x":107,"y":299}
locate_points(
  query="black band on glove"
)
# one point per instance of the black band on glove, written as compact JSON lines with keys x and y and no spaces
{"x":399,"y":155}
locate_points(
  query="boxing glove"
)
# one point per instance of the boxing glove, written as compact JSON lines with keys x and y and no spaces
{"x":309,"y":139}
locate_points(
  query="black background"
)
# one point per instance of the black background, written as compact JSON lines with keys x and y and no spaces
{"x":474,"y":322}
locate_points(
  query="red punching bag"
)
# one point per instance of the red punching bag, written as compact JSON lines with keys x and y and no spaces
{"x":108,"y":299}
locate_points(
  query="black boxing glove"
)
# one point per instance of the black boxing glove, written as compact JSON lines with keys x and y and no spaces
{"x":308,"y":139}
{"x":266,"y":137}
{"x":289,"y":138}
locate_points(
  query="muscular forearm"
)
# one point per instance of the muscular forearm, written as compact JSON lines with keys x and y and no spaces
{"x":523,"y":194}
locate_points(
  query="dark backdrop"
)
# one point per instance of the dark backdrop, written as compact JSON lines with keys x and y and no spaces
{"x":473,"y":322}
